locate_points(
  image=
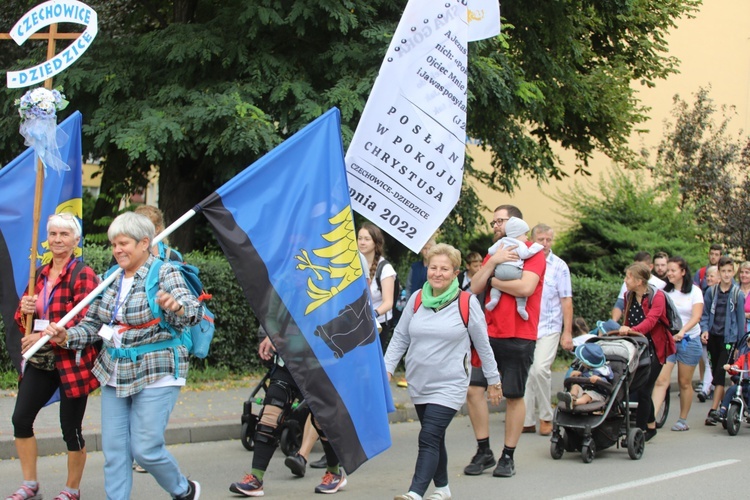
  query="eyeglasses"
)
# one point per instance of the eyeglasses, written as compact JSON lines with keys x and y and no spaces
{"x":498,"y":221}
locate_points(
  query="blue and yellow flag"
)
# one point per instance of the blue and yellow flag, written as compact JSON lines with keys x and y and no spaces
{"x":285,"y":224}
{"x":62,"y":193}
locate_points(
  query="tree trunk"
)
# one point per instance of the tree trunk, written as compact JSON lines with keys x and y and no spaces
{"x":112,"y":188}
{"x":180,"y":184}
{"x":184,"y":10}
{"x":180,"y":189}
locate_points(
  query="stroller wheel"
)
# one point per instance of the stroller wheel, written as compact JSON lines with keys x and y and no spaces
{"x":246,"y":437}
{"x":734,"y":419}
{"x":291,"y":438}
{"x":557,"y":446}
{"x":588,"y":451}
{"x":662,"y":412}
{"x":636,"y":443}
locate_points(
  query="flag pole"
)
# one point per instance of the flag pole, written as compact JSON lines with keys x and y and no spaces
{"x":39,"y":191}
{"x":104,"y":284}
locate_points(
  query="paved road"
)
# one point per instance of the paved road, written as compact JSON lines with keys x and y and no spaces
{"x":674,"y":465}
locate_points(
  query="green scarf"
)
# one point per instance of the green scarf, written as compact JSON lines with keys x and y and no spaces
{"x":436,"y":302}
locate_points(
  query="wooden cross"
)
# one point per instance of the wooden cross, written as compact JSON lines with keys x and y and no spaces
{"x":51,"y":36}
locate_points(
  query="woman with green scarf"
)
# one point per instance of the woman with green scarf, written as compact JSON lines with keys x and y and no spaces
{"x":437,"y":344}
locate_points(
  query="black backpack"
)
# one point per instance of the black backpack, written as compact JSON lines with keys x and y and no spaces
{"x":395,"y":313}
{"x":674,"y":322}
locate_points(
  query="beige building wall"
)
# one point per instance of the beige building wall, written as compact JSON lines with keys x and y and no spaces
{"x":714,"y":49}
{"x":92,"y":181}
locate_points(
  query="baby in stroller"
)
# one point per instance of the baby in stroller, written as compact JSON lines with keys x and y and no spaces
{"x":592,"y":364}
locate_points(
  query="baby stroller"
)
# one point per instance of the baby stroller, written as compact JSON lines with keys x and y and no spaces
{"x":600,"y":425}
{"x":738,"y":411}
{"x":662,"y":413}
{"x":291,"y":428}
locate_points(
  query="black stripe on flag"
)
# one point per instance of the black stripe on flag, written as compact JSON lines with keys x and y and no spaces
{"x":312,"y":380}
{"x":9,"y":304}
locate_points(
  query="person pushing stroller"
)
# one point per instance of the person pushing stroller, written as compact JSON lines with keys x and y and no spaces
{"x":590,"y":363}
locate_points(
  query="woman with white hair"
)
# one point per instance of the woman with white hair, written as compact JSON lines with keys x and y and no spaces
{"x":142,"y":365}
{"x":60,"y":284}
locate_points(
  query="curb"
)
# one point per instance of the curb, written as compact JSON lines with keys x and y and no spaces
{"x":196,"y":433}
{"x":200,"y":431}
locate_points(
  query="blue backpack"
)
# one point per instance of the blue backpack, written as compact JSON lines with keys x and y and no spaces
{"x":197,"y":338}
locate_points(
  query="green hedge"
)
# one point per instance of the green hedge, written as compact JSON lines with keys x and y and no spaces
{"x":5,"y":363}
{"x":235,"y":342}
{"x":593,"y":299}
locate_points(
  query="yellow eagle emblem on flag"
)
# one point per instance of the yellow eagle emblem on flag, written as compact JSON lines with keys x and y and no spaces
{"x":340,"y":260}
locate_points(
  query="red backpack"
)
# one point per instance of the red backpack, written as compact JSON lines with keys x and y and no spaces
{"x":463,"y":305}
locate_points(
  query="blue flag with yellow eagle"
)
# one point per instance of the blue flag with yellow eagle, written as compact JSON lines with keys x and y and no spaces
{"x":285,"y":224}
{"x":62,"y":193}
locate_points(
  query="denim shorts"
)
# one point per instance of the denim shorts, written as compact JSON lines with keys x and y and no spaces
{"x":688,"y":355}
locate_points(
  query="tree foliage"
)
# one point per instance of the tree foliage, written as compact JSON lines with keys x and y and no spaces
{"x":710,"y":168}
{"x":618,"y":218}
{"x":563,"y":74}
{"x":201,"y":88}
{"x":737,"y":215}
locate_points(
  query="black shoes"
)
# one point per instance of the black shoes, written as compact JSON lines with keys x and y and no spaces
{"x":193,"y":493}
{"x":505,"y":468}
{"x":320,"y":464}
{"x":567,"y":398}
{"x":482,"y":461}
{"x":296,"y":464}
{"x":713,"y":418}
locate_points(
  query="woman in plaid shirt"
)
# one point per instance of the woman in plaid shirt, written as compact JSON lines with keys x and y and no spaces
{"x":142,"y":366}
{"x":59,"y":286}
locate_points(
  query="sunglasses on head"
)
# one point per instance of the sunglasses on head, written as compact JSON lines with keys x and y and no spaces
{"x":63,"y":215}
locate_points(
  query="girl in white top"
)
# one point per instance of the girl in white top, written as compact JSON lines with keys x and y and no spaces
{"x":370,"y":242}
{"x":688,"y":301}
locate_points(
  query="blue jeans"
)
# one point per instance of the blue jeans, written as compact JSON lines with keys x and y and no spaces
{"x":432,"y":459}
{"x":133,"y":427}
{"x":731,"y":392}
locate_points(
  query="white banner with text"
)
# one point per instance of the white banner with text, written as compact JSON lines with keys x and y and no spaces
{"x":405,"y":161}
